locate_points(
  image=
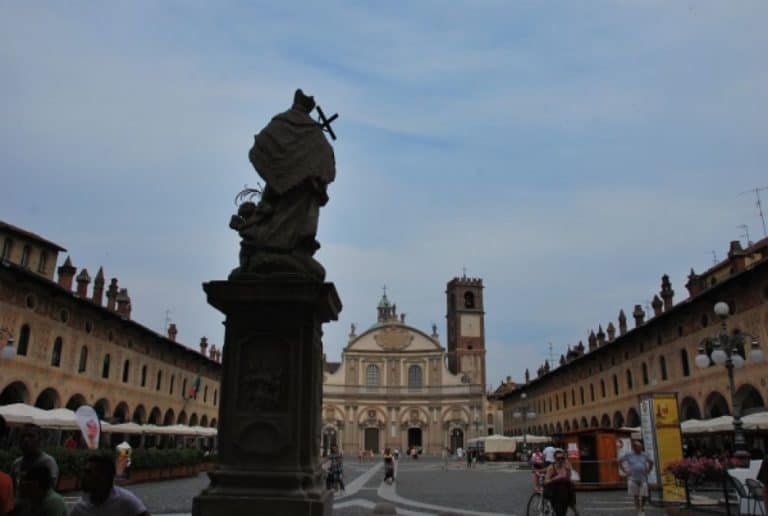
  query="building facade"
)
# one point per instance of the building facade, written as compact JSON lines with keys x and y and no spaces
{"x":397,"y":387}
{"x":74,"y":347}
{"x":599,"y":385}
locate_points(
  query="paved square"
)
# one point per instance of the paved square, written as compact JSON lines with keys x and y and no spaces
{"x":422,"y":488}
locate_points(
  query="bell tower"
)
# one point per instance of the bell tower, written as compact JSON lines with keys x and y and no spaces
{"x":465,"y":319}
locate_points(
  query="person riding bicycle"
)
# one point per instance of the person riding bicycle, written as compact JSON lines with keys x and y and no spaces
{"x":538,"y":466}
{"x":558,"y":487}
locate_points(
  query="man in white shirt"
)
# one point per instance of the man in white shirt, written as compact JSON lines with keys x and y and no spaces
{"x":549,"y":454}
{"x":103,"y":497}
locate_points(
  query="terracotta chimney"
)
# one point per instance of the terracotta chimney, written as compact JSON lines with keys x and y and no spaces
{"x":203,"y":345}
{"x":172,"y":331}
{"x":98,"y":287}
{"x":611,"y":329}
{"x":123,"y":303}
{"x":112,"y":294}
{"x":666,"y":292}
{"x":622,"y":322}
{"x":600,"y":336}
{"x":592,"y":340}
{"x":694,"y":284}
{"x":737,"y":257}
{"x":656,"y":304}
{"x":639,"y":315}
{"x":212,"y":352}
{"x":83,"y":280}
{"x":66,"y":273}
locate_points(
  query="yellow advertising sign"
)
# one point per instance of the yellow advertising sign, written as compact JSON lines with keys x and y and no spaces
{"x":669,"y":445}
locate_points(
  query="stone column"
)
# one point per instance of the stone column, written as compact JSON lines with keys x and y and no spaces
{"x":271,"y":387}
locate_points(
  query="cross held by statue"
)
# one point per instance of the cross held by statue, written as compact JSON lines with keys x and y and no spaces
{"x":326,"y":122}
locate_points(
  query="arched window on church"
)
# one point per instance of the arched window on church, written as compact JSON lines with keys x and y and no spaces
{"x":372,"y":375}
{"x":469,"y":300}
{"x":414,"y":377}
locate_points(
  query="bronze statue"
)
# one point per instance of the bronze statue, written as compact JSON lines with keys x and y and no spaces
{"x":293,"y":157}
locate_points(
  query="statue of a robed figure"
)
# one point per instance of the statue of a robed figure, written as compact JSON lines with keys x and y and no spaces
{"x":275,"y":303}
{"x":293,"y":157}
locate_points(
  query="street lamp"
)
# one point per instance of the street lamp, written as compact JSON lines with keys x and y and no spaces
{"x":524,"y":412}
{"x":8,"y":350}
{"x":730,"y":351}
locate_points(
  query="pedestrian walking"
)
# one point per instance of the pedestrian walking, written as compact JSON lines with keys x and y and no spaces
{"x":336,"y":469}
{"x":31,"y":456}
{"x":103,"y":497}
{"x":389,"y":466}
{"x":445,"y":458}
{"x":36,"y":490}
{"x":549,"y":454}
{"x":636,"y":465}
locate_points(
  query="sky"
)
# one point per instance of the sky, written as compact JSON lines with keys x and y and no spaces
{"x":568,"y":153}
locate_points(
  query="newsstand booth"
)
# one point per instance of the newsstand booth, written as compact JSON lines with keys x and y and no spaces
{"x":594,"y":454}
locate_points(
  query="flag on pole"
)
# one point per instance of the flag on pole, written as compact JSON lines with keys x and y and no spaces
{"x":195,"y":387}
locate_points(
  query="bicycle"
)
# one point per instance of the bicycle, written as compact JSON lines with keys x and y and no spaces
{"x":537,"y":504}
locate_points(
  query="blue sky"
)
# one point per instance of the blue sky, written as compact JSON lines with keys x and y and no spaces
{"x":569,"y":153}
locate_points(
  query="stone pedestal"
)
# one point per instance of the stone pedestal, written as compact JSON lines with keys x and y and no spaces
{"x":271,"y":389}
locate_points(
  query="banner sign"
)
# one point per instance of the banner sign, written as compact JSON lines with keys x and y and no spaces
{"x":662,"y":439}
{"x":89,"y":425}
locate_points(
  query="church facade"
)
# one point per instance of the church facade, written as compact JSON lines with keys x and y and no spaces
{"x":397,"y":386}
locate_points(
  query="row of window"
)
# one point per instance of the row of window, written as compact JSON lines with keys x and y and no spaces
{"x":42,"y":261}
{"x":373,"y":376}
{"x":544,"y":407}
{"x":58,"y":344}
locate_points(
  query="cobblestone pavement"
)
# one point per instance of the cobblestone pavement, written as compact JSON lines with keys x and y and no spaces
{"x":422,"y":488}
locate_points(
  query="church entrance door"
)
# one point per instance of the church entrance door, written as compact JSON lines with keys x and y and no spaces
{"x":414,"y":438}
{"x":372,"y":439}
{"x":457,"y":439}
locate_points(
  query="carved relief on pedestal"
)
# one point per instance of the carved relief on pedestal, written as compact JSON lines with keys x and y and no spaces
{"x":263,"y":376}
{"x":263,"y":396}
{"x":393,"y":338}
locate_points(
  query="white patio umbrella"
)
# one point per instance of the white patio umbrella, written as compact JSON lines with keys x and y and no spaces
{"x":179,"y":430}
{"x":756,"y":421}
{"x":20,"y":413}
{"x":125,"y":428}
{"x":60,"y":418}
{"x":719,"y":424}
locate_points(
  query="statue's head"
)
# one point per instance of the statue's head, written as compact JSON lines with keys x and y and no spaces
{"x":303,"y":102}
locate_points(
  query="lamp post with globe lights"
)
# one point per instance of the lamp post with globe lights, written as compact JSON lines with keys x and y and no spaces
{"x":730,"y":351}
{"x":524,"y":413}
{"x":8,"y":350}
